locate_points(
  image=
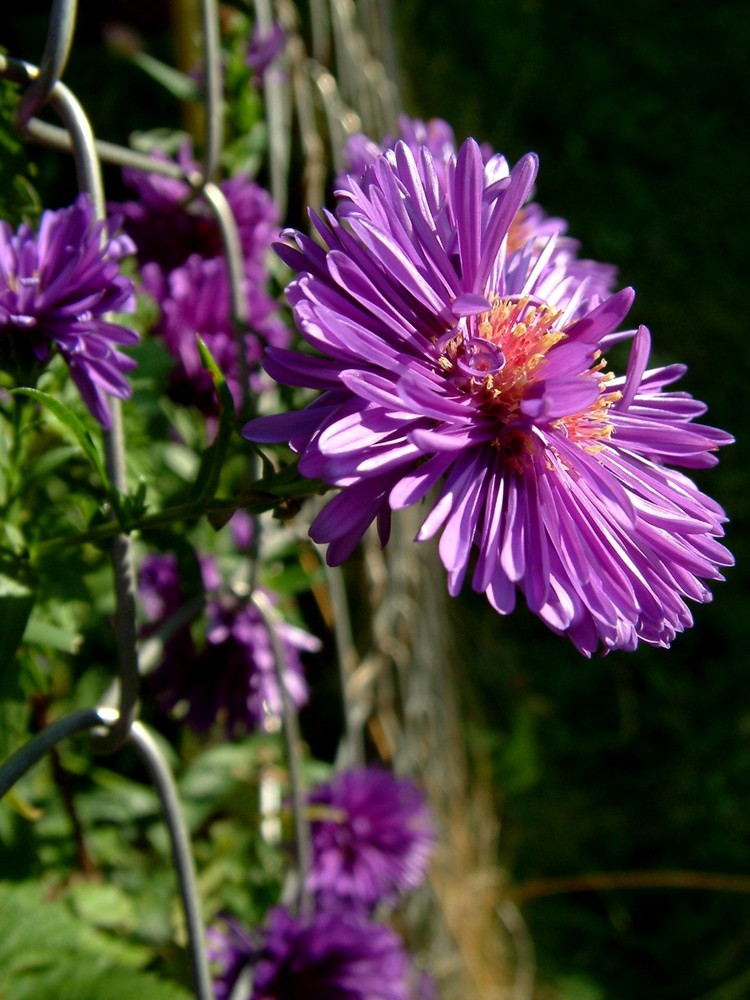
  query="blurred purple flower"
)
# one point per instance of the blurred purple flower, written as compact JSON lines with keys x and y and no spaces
{"x":167,"y":225}
{"x":447,"y":361}
{"x":230,"y":950}
{"x":195,"y":299}
{"x":184,"y":269}
{"x":263,"y":49}
{"x":243,"y":528}
{"x":371,"y":835}
{"x":232,"y":676}
{"x":56,"y":288}
{"x":332,"y":955}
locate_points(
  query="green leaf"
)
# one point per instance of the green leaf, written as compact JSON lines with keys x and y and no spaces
{"x":16,"y":602}
{"x":212,"y":459}
{"x":72,"y":423}
{"x":221,"y":774}
{"x":47,"y":953}
{"x":179,"y":84}
{"x":43,"y":633}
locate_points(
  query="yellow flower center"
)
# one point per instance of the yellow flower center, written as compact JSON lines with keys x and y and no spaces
{"x":506,"y":354}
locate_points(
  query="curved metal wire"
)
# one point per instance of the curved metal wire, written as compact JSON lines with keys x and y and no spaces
{"x":161,"y":777}
{"x":182,"y":854}
{"x":76,"y":126}
{"x":234,"y":256}
{"x":214,"y":87}
{"x":57,"y":47}
{"x":16,"y":766}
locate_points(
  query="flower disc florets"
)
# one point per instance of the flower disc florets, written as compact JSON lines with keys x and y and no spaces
{"x":56,"y":288}
{"x":499,"y":355}
{"x":451,"y":361}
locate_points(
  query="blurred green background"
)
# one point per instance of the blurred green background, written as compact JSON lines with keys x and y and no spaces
{"x":639,"y":112}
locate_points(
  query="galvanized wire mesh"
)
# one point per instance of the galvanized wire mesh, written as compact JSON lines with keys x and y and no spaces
{"x":398,"y":687}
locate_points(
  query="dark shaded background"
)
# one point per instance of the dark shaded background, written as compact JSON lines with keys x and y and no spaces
{"x":639,"y":112}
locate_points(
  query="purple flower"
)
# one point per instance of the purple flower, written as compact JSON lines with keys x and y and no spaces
{"x":436,"y":135}
{"x":334,"y":954}
{"x":230,"y":950}
{"x":553,"y":476}
{"x":195,"y":299}
{"x":531,"y":223}
{"x":263,"y":49}
{"x":232,"y":676}
{"x":183,"y":267}
{"x":56,"y":288}
{"x":371,"y":835}
{"x":167,"y":225}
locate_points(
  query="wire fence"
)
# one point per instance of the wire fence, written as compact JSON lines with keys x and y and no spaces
{"x":341,"y":81}
{"x":114,"y":722}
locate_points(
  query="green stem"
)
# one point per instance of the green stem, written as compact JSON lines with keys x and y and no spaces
{"x":105,"y":532}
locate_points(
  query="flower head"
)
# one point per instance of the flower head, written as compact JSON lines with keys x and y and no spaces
{"x":336,"y":954}
{"x":56,"y":288}
{"x":232,"y":676}
{"x":449,"y":361}
{"x":435,"y":135}
{"x":195,"y":300}
{"x":371,"y":836}
{"x":183,"y":267}
{"x":168,"y":224}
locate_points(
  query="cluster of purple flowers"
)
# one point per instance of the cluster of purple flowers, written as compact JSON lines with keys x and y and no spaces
{"x":183,"y":267}
{"x":56,"y":288}
{"x":371,"y":839}
{"x":231,"y":677}
{"x":459,"y":349}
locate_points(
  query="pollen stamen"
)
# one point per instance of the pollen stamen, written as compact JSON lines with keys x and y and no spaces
{"x":522,"y":334}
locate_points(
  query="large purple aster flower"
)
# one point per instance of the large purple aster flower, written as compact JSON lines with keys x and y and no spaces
{"x":448,"y":362}
{"x":232,"y":676}
{"x":56,"y":288}
{"x":371,"y":836}
{"x":334,"y":954}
